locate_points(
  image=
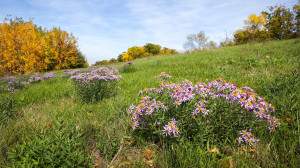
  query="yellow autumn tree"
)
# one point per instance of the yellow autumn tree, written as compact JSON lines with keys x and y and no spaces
{"x":21,"y":47}
{"x":61,"y":50}
{"x":126,"y":57}
{"x":254,"y":30}
{"x":137,"y":52}
{"x":254,"y":24}
{"x":26,"y":48}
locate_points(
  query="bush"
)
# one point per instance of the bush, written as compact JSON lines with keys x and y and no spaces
{"x":128,"y":67}
{"x":96,"y":85}
{"x":59,"y":146}
{"x":218,"y":112}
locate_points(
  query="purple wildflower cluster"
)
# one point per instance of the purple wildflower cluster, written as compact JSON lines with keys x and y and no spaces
{"x":49,"y":75}
{"x":171,"y":128}
{"x":247,"y":137}
{"x":128,"y":63}
{"x":11,"y":89}
{"x":13,"y":84}
{"x":68,"y":73}
{"x":248,"y":89}
{"x":146,"y":107}
{"x":163,"y":75}
{"x":203,"y":90}
{"x":220,"y":88}
{"x":255,"y":104}
{"x":105,"y":71}
{"x":103,"y":74}
{"x":115,"y":67}
{"x":97,"y":84}
{"x":245,"y":97}
{"x":35,"y":78}
{"x":200,"y":108}
{"x":182,"y":92}
{"x":186,"y":91}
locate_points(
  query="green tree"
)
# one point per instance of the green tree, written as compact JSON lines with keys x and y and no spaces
{"x":242,"y":36}
{"x":173,"y":51}
{"x":152,"y":49}
{"x":81,"y":60}
{"x":279,"y":22}
{"x":297,"y":18}
{"x":120,"y":57}
{"x":113,"y":60}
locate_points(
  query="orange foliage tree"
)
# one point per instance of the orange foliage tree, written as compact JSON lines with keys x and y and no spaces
{"x":254,"y":30}
{"x":141,"y":52}
{"x":21,"y":47}
{"x":61,"y":51}
{"x":26,"y":48}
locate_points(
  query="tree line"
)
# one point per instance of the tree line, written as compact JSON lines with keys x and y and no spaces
{"x":27,"y":48}
{"x":278,"y":23}
{"x":135,"y":52}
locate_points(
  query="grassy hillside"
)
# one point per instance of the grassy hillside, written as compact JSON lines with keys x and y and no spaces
{"x":49,"y":111}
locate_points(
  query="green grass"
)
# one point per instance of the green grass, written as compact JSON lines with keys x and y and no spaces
{"x":274,"y":75}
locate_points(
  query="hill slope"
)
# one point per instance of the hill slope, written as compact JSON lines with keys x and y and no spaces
{"x":274,"y":75}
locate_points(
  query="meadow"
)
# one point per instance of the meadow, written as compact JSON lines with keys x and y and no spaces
{"x":48,"y":125}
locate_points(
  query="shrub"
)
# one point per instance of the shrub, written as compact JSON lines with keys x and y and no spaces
{"x":217,"y":112}
{"x":97,"y":84}
{"x":128,"y":67}
{"x":59,"y":146}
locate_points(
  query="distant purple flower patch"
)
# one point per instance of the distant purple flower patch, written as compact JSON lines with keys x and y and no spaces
{"x":49,"y":75}
{"x":96,"y":84}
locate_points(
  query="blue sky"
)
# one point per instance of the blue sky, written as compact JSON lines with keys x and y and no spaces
{"x":106,"y":28}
